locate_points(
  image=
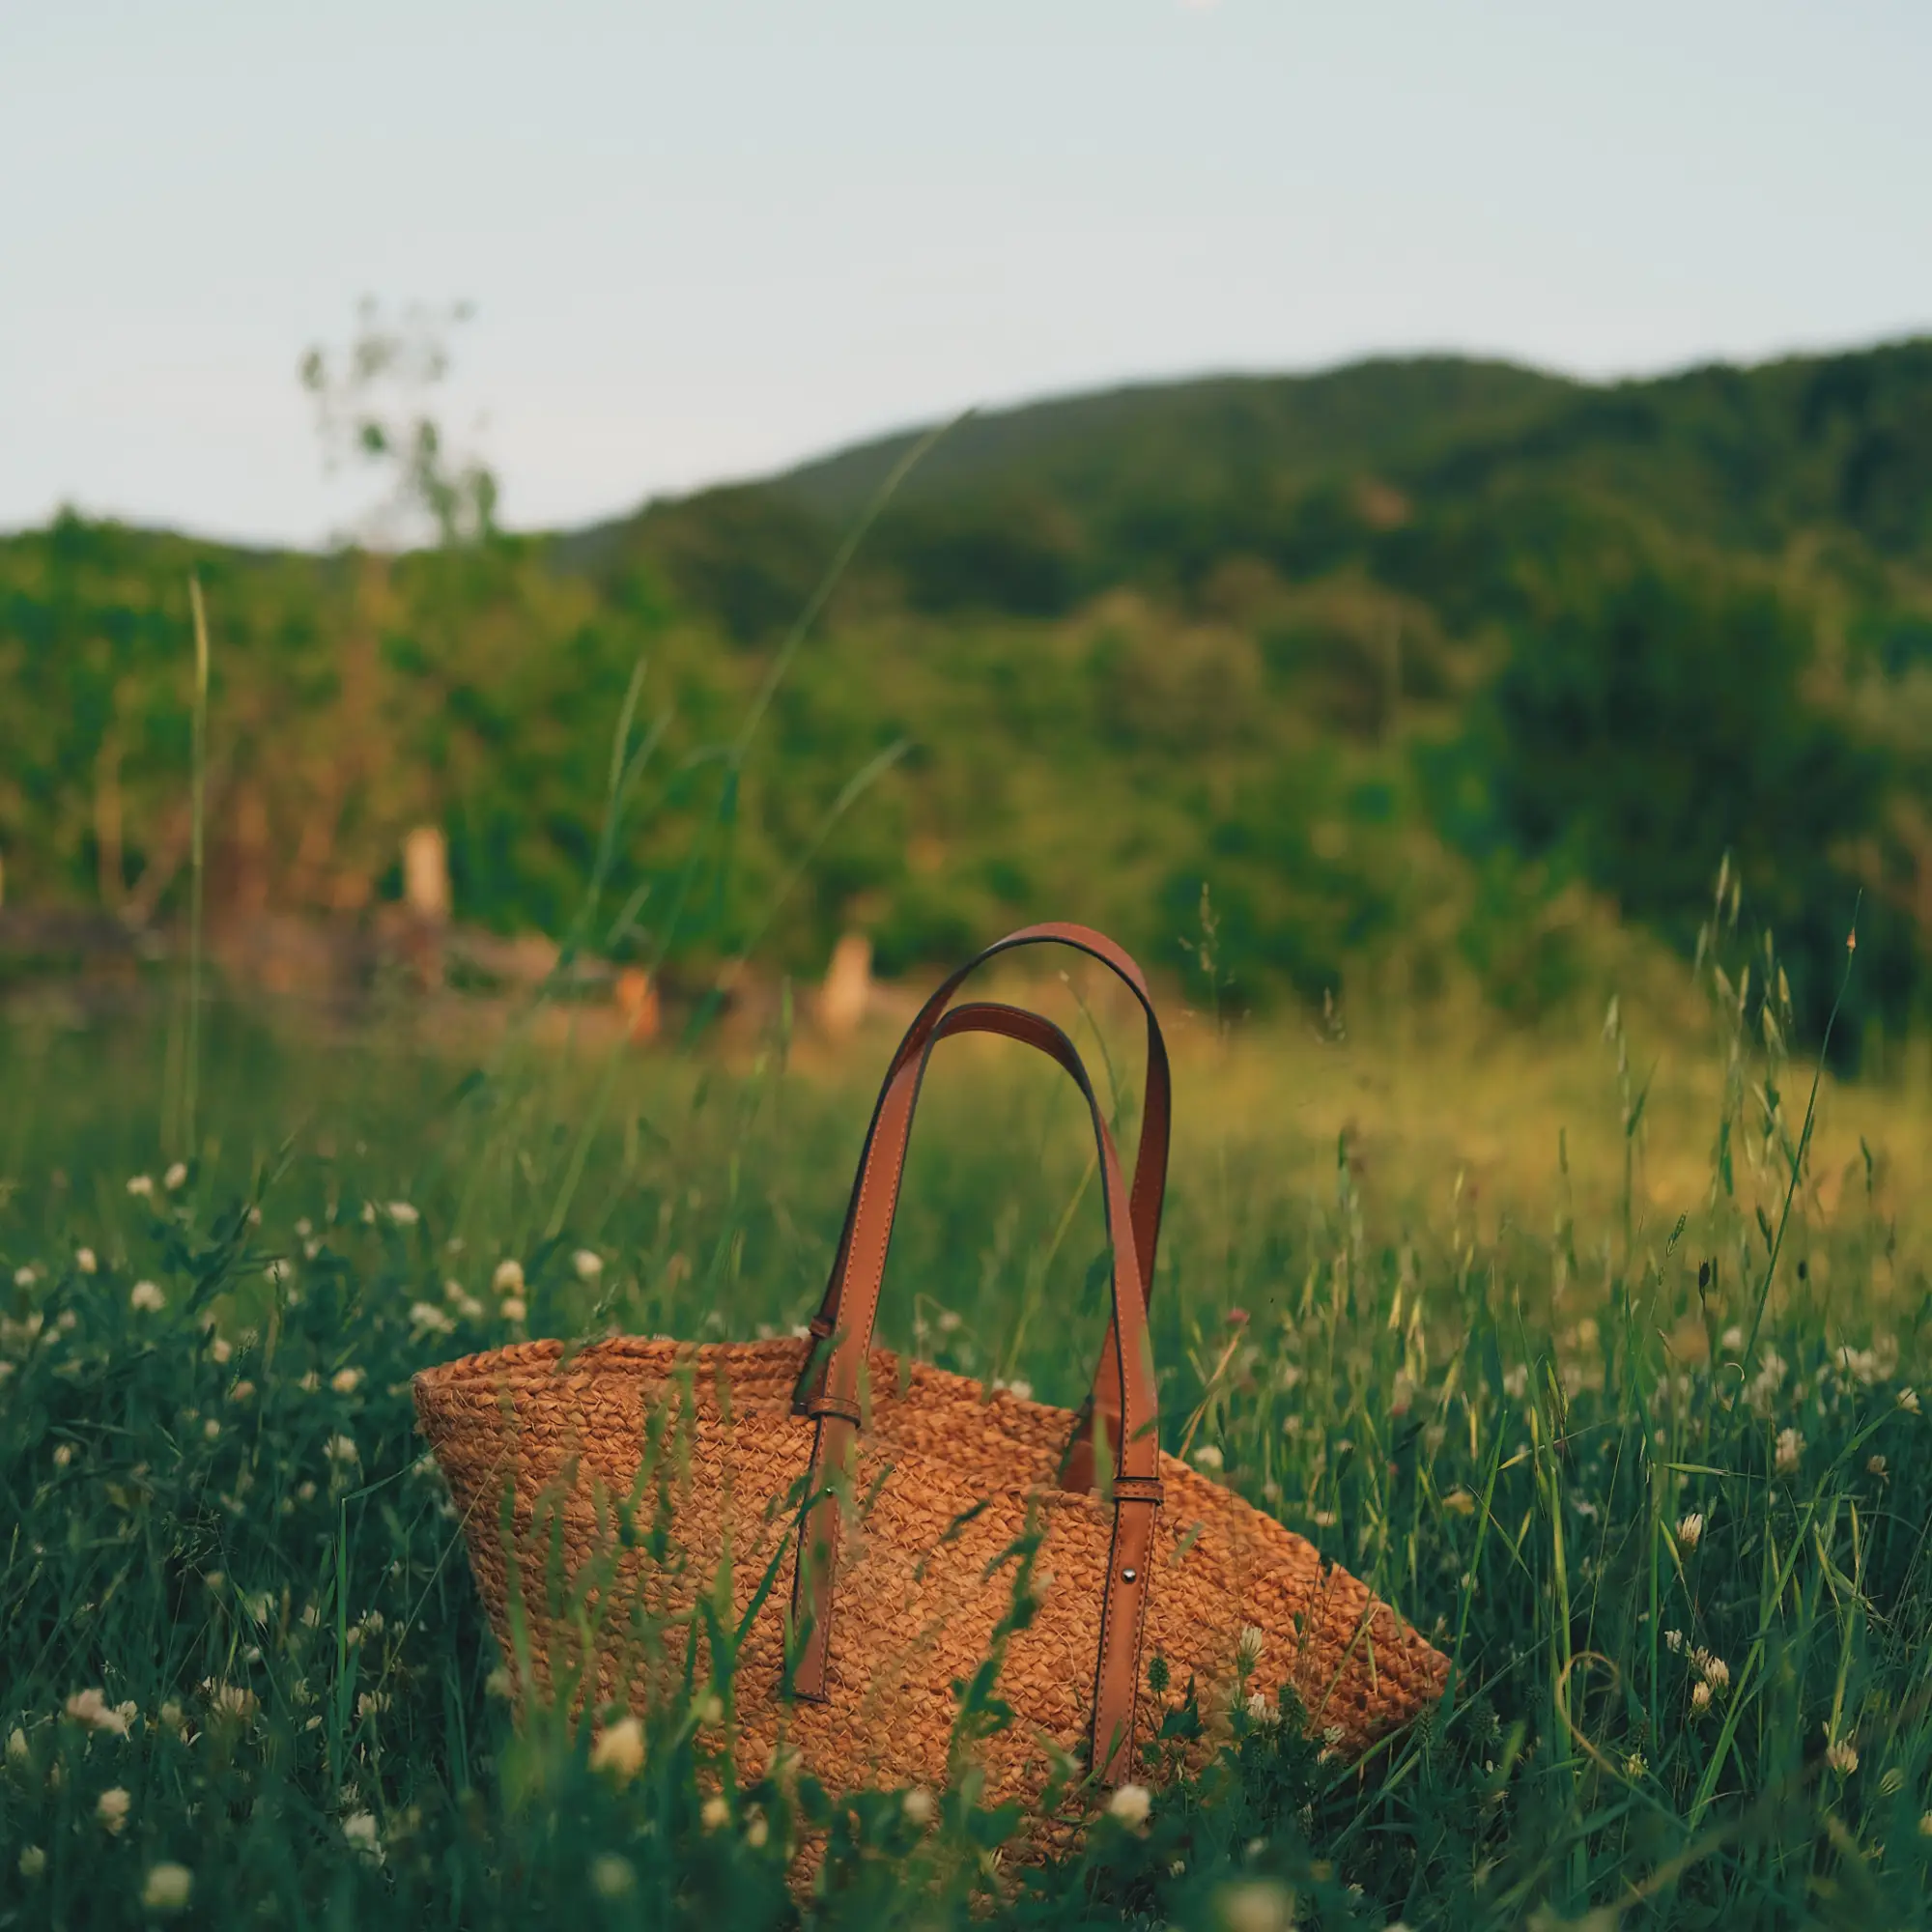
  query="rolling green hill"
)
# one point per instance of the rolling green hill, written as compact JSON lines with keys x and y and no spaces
{"x":1421,"y":668}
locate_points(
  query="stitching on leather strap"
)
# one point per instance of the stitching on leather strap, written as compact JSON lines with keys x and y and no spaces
{"x":834,"y":1405}
{"x":1140,"y":1489}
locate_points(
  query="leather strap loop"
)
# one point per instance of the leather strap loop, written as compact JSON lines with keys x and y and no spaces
{"x":1149,"y":1168}
{"x":833,"y":1403}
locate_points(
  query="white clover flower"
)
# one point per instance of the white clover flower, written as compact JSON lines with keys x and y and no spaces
{"x":514,"y":1308}
{"x":62,"y":1455}
{"x":1635,"y":1764}
{"x":1700,"y":1696}
{"x":111,"y":1809}
{"x":220,"y":1350}
{"x":1691,"y":1530}
{"x":87,"y":1260}
{"x":92,"y":1709}
{"x":1263,"y":1711}
{"x":1790,"y":1447}
{"x":403,"y":1213}
{"x":619,"y":1750}
{"x":715,"y":1814}
{"x":176,"y":1174}
{"x":1130,"y":1803}
{"x":499,"y":1684}
{"x":918,"y":1806}
{"x":612,"y":1876}
{"x":1257,"y":1904}
{"x":141,"y":1186}
{"x":1892,"y":1784}
{"x":167,"y":1888}
{"x":342,"y":1449}
{"x":145,"y":1298}
{"x":587,"y":1262}
{"x":508,"y":1278}
{"x":278,"y":1271}
{"x":1841,"y":1755}
{"x":346,"y":1382}
{"x":1925,"y":1825}
{"x":1208,"y":1456}
{"x":1249,"y":1647}
{"x":430,"y":1318}
{"x":211,"y":1429}
{"x":1908,"y":1401}
{"x":16,"y":1746}
{"x":243,"y":1391}
{"x":360,"y":1830}
{"x":34,"y":1859}
{"x":756,"y":1830}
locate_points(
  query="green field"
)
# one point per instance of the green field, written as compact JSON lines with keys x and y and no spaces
{"x":1400,"y":718}
{"x":1486,"y":1363}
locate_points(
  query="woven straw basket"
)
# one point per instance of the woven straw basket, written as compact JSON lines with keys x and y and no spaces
{"x":865,"y":1520}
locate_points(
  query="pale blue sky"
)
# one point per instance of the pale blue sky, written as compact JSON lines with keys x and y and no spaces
{"x":707,"y":240}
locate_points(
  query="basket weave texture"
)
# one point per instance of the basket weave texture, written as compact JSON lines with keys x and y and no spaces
{"x":624,"y":1500}
{"x":947,"y":1479}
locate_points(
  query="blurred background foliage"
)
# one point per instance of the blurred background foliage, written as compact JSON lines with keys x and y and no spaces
{"x":1429,"y":670}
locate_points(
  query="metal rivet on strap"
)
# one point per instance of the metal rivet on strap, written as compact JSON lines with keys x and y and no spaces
{"x":1128,"y":1576}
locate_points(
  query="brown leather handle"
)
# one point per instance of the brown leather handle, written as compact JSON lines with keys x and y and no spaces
{"x":1149,"y":1163}
{"x":835,"y":1404}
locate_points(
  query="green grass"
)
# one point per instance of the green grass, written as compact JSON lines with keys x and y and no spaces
{"x":215,"y":1513}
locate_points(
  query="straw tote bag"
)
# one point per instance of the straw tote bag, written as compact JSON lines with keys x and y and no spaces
{"x":856,"y":1525}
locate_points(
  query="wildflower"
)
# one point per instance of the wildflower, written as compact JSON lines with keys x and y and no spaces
{"x":220,"y":1350}
{"x":278,"y":1272}
{"x":211,"y":1429}
{"x":710,"y":1710}
{"x":243,"y":1390}
{"x":145,"y":1298}
{"x":360,"y":1830}
{"x":1326,"y":1519}
{"x":1925,"y":1825}
{"x":430,"y":1318}
{"x":1908,"y":1401}
{"x":174,"y":1175}
{"x":1892,"y":1784}
{"x":1130,"y":1803}
{"x":918,"y":1806}
{"x":371,"y":1704}
{"x":403,"y":1213}
{"x":1691,"y":1530}
{"x":62,"y":1455}
{"x":587,"y":1262}
{"x":86,"y":1260}
{"x":166,"y":1887}
{"x":756,"y":1831}
{"x":230,"y":1700}
{"x":514,"y":1308}
{"x":949,"y":1321}
{"x":1700,"y":1696}
{"x":1461,"y":1502}
{"x":343,"y":1449}
{"x":715,"y":1813}
{"x":16,"y":1746}
{"x":141,"y":1187}
{"x":92,"y":1709}
{"x":1875,"y":1465}
{"x":346,"y":1382}
{"x":1635,"y":1764}
{"x":1516,"y":1382}
{"x":1841,"y":1755}
{"x":34,"y":1860}
{"x":508,"y":1278}
{"x":1208,"y":1456}
{"x":1257,"y":1904}
{"x":1714,"y":1671}
{"x":111,"y":1809}
{"x":304,"y":1227}
{"x":1263,"y":1711}
{"x":1790,"y":1447}
{"x":27,"y":1276}
{"x":619,"y":1750}
{"x":610,"y":1876}
{"x":497,"y":1683}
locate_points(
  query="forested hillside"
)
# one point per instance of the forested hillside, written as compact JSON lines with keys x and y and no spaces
{"x":1422,"y":662}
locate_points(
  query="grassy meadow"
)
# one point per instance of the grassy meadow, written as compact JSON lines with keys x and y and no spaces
{"x":1544,"y":1345}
